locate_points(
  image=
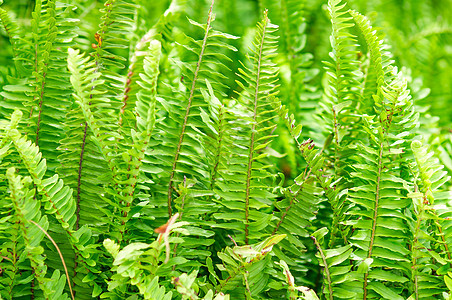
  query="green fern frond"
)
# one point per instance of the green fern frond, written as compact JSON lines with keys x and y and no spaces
{"x":379,"y":222}
{"x":109,"y":52}
{"x":125,"y":167}
{"x":84,"y":79}
{"x":50,"y":78}
{"x":117,"y":24}
{"x":160,"y":32}
{"x":316,"y":168}
{"x":27,"y":210}
{"x":428,"y":216}
{"x":18,"y":46}
{"x":378,"y":70}
{"x":218,"y":140}
{"x":342,"y":92}
{"x":145,"y":122}
{"x":244,"y":268}
{"x":330,"y":185}
{"x":42,"y":82}
{"x":204,"y":67}
{"x":245,"y":185}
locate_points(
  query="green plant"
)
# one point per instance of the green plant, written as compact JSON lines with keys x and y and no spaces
{"x":161,"y":158}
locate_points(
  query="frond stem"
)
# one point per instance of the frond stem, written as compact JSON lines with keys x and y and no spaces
{"x":60,"y":254}
{"x":443,"y":240}
{"x":79,"y":183}
{"x":374,"y":220}
{"x":79,"y":177}
{"x":327,"y":270}
{"x":218,"y":154}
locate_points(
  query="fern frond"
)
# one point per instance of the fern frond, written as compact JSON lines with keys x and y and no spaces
{"x":245,"y":185}
{"x":378,"y":71}
{"x":84,"y":79}
{"x":330,"y":185}
{"x":159,"y":32}
{"x":428,"y":216}
{"x":125,"y":167}
{"x":50,"y":77}
{"x":56,"y":197}
{"x":377,"y":192}
{"x":145,"y":122}
{"x":316,"y":168}
{"x":14,"y":33}
{"x":244,"y":268}
{"x":218,"y":141}
{"x":189,"y":106}
{"x":342,"y":93}
{"x":117,"y":24}
{"x":27,"y":210}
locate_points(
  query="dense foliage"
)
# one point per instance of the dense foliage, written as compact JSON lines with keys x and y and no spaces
{"x":242,"y":149}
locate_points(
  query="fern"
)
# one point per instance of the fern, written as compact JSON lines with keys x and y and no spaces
{"x":425,"y":283}
{"x":157,"y":172}
{"x":342,"y":74}
{"x":377,"y":220}
{"x":57,"y":197}
{"x":129,"y":270}
{"x":28,"y":214}
{"x":339,"y":279}
{"x":176,"y":151}
{"x":246,"y":264}
{"x":14,"y":32}
{"x":241,"y":190}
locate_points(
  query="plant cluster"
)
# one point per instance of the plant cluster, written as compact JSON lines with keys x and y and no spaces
{"x":144,"y":154}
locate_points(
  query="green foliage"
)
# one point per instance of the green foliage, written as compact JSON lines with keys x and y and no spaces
{"x":147,"y":155}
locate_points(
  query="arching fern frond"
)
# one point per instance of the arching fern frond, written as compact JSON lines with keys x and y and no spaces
{"x":378,"y":70}
{"x":160,"y":32}
{"x":125,"y":166}
{"x":84,"y":79}
{"x":42,"y":81}
{"x":112,"y":37}
{"x":203,"y":51}
{"x":428,"y":216}
{"x":14,"y":33}
{"x":27,"y":210}
{"x":50,"y":77}
{"x":145,"y":122}
{"x":316,"y":168}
